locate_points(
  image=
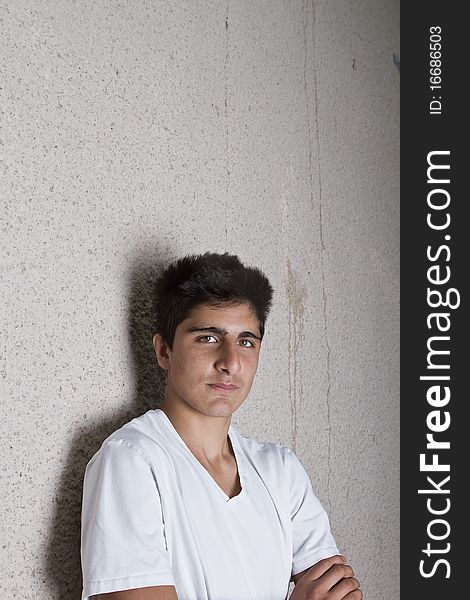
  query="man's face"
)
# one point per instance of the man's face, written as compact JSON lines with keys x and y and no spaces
{"x":214,"y":359}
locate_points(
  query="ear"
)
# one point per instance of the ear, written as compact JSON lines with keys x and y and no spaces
{"x":162,"y":352}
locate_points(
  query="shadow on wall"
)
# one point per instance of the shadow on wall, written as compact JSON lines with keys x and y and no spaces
{"x":62,"y":565}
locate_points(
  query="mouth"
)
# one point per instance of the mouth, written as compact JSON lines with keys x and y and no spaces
{"x":224,"y":388}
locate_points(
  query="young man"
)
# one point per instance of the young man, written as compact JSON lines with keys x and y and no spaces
{"x":177,"y":504}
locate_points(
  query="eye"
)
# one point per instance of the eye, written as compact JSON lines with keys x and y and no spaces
{"x":247,"y":344}
{"x":205,"y":339}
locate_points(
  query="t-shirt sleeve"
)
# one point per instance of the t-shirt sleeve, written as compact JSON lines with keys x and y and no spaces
{"x":123,"y":540}
{"x":312,"y":539}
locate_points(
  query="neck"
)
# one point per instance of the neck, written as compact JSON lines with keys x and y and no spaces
{"x":206,"y":436}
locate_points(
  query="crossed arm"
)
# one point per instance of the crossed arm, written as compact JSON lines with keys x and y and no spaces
{"x":160,"y":592}
{"x":329,"y":579}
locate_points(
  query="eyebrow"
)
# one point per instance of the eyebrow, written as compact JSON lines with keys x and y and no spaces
{"x":220,"y":331}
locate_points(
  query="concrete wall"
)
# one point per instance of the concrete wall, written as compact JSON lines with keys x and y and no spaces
{"x":133,"y":132}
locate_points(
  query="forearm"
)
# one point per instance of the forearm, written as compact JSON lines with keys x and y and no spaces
{"x":329,"y":579}
{"x":160,"y":592}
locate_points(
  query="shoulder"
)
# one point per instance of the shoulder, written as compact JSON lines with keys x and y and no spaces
{"x":141,"y":437}
{"x":270,"y":455}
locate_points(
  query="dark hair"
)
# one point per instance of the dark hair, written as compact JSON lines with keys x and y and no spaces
{"x":211,"y":279}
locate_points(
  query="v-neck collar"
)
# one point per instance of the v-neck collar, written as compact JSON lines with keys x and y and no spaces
{"x":236,"y":451}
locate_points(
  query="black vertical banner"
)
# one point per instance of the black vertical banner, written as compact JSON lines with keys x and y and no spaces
{"x":435,"y":242}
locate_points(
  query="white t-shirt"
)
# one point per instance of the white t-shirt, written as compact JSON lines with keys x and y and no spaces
{"x":153,"y":515}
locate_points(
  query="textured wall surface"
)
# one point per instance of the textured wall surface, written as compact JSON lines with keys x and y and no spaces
{"x":135,"y":131}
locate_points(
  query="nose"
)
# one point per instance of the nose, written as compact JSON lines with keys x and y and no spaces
{"x":228,"y":359}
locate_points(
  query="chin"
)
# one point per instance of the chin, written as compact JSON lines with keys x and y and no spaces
{"x":220,"y":410}
{"x":220,"y":407}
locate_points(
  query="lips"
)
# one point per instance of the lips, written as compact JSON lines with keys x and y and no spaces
{"x":223,"y":387}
